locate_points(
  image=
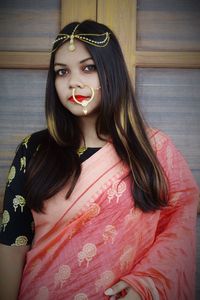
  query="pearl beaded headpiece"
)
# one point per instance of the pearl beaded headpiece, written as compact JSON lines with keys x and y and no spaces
{"x":84,"y":38}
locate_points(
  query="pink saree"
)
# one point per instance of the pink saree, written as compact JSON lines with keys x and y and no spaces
{"x":86,"y":244}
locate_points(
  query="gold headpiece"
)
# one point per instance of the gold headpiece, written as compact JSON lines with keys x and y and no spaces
{"x":84,"y":38}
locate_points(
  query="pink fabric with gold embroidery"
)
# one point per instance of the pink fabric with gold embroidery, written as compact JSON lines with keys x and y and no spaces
{"x":96,"y":238}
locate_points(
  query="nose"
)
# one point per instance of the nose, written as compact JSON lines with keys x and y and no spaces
{"x":75,"y":81}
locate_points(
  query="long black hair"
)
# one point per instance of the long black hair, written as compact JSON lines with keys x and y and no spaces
{"x":57,"y":162}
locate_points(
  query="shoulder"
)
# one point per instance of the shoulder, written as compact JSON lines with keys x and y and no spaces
{"x":35,"y":138}
{"x":166,"y":151}
{"x":29,"y":146}
{"x":32,"y":142}
{"x":169,"y":156}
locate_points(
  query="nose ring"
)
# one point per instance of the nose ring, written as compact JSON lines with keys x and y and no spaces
{"x":83,"y":103}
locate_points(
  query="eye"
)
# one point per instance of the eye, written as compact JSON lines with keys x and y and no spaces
{"x":90,"y":68}
{"x":61,"y":72}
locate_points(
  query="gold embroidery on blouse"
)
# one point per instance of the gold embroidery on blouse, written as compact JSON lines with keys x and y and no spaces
{"x":88,"y":252}
{"x":23,"y":164}
{"x":117,"y":189}
{"x":5,"y":219}
{"x":19,"y":201}
{"x":81,"y":296}
{"x":106,"y":279}
{"x":20,"y":241}
{"x":62,"y":275}
{"x":11,"y":175}
{"x":43,"y":294}
{"x":25,"y":141}
{"x":81,"y":150}
{"x":109,"y":234}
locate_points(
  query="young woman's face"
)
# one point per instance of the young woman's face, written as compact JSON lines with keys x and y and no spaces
{"x":76,"y":74}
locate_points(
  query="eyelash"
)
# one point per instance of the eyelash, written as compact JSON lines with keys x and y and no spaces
{"x":59,"y":72}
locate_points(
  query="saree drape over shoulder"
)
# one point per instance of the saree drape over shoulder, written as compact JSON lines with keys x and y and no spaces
{"x":84,"y":245}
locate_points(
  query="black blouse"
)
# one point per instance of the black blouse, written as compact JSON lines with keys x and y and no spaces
{"x":17,"y":226}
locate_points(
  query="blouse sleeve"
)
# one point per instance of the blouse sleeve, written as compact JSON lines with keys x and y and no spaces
{"x":17,"y":221}
{"x":167,"y":270}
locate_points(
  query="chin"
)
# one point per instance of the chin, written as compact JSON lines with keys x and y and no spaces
{"x":77,"y":112}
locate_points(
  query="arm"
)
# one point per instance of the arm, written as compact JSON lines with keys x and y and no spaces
{"x":11,"y":267}
{"x":167,"y":271}
{"x":16,"y":228}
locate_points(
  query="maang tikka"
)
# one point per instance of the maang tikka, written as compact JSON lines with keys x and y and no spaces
{"x":84,"y":37}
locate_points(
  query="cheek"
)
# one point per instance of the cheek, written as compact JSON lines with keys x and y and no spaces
{"x":59,"y":89}
{"x":98,"y":96}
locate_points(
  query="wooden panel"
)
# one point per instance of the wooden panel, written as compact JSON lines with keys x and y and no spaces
{"x":28,"y":25}
{"x":40,"y":60}
{"x":21,"y":112}
{"x":120,"y":16}
{"x":167,"y":59}
{"x":170,"y":100}
{"x":168,"y":25}
{"x":75,"y":10}
{"x":24,"y":60}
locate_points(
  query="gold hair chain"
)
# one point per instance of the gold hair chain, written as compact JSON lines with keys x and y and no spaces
{"x":84,"y":37}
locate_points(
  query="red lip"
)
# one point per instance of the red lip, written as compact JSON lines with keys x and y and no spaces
{"x":80,"y":98}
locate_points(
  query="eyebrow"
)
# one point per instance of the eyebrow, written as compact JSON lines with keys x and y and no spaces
{"x":81,"y":62}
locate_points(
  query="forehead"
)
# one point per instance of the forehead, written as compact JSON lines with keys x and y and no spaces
{"x":63,"y":54}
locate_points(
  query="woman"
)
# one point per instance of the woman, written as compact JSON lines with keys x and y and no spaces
{"x":113,"y":202}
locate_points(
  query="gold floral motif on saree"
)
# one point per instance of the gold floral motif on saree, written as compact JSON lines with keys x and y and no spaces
{"x":133,"y":214}
{"x":93,"y":210}
{"x":126,"y":258}
{"x":106,"y":279}
{"x":62,"y":275}
{"x":43,"y":294}
{"x":88,"y":252}
{"x":109,"y":234}
{"x":81,"y":296}
{"x":117,"y":190}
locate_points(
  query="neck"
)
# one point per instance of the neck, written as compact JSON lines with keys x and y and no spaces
{"x":88,"y":128}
